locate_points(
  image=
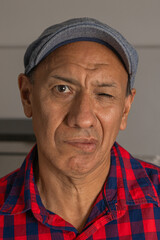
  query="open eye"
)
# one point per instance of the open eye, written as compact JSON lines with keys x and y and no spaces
{"x":62,"y":89}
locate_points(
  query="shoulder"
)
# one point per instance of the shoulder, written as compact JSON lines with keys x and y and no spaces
{"x":127,"y":156}
{"x":6,"y":184}
{"x":138,"y":166}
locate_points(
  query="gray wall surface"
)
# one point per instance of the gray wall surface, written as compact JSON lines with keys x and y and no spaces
{"x":139,"y":20}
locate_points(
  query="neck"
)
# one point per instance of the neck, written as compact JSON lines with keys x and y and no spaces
{"x":71,"y":198}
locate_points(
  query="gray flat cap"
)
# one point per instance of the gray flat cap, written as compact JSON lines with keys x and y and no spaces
{"x":81,"y":29}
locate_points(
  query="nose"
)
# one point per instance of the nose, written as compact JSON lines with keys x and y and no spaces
{"x":81,"y":113}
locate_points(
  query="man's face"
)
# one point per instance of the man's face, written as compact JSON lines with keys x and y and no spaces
{"x":78,"y":105}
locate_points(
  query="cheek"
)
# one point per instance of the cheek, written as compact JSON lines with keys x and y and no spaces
{"x":111,"y":122}
{"x":45,"y":121}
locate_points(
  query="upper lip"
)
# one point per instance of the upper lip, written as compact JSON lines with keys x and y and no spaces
{"x":82,"y":140}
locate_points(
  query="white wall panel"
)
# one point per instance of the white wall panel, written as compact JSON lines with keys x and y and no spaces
{"x":12,"y":154}
{"x":11,"y":64}
{"x":21,"y":21}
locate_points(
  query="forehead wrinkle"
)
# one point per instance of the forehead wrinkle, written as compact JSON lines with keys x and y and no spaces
{"x":84,"y":74}
{"x":58,"y":59}
{"x":91,"y":67}
{"x":101,"y":79}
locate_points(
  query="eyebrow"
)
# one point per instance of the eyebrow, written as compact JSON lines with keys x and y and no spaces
{"x":68,"y":80}
{"x":107,"y":85}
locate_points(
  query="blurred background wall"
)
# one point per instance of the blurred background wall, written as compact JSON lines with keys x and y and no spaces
{"x":22,"y":21}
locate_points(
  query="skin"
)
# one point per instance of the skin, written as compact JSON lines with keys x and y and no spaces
{"x":78,"y":104}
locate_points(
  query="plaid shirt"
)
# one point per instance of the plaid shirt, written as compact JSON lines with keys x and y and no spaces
{"x":127,"y":207}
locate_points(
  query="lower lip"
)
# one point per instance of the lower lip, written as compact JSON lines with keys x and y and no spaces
{"x":86,"y":147}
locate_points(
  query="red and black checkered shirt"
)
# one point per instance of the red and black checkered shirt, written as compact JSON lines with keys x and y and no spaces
{"x":127,"y":207}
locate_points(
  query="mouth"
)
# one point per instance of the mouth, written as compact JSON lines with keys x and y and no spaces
{"x":84,"y":144}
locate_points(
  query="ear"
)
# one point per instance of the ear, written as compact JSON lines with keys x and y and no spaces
{"x":25,"y":87}
{"x":127,"y":106}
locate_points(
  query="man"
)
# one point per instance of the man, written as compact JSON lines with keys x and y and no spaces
{"x":77,"y":182}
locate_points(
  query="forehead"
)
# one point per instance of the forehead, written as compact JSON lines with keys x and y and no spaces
{"x":83,"y":56}
{"x":93,"y":52}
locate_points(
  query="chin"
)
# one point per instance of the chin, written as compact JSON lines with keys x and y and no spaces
{"x":81,"y":165}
